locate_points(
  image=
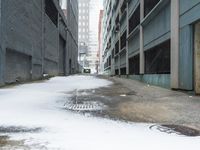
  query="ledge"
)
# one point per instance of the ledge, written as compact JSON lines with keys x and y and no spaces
{"x":107,"y":68}
{"x":122,"y":50}
{"x":134,"y":32}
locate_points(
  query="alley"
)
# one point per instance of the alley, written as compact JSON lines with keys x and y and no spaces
{"x":75,"y":113}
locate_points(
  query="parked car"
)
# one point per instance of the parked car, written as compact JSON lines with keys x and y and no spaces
{"x":87,"y":70}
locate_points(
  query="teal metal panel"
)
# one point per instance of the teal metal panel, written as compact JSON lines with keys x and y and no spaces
{"x":186,"y":58}
{"x":162,"y":80}
{"x":132,"y":6}
{"x":161,"y":39}
{"x":116,"y":62}
{"x":191,"y":15}
{"x":123,"y":24}
{"x":122,"y":59}
{"x":158,"y":27}
{"x":134,"y":44}
{"x":186,"y":5}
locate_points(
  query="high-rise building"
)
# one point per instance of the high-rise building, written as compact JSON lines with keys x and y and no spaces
{"x":95,"y":7}
{"x":84,"y":17}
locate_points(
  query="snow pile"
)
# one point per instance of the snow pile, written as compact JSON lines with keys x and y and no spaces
{"x":40,"y":105}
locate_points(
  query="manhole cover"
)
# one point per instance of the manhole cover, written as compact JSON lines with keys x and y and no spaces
{"x":176,"y":129}
{"x":13,"y":129}
{"x":131,"y":93}
{"x":85,"y":106}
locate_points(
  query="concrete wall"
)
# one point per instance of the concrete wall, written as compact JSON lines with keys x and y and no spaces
{"x":72,"y":37}
{"x":29,"y":40}
{"x":18,"y":66}
{"x":51,"y":47}
{"x":22,"y":33}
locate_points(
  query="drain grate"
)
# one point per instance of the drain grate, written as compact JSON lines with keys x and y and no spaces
{"x":85,"y":106}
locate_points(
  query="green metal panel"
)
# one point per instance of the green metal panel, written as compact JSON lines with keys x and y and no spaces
{"x":186,"y":5}
{"x":186,"y":58}
{"x":134,"y":44}
{"x":162,"y":80}
{"x":158,"y":27}
{"x":191,"y":15}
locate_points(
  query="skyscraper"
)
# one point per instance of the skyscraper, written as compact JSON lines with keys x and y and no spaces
{"x":84,"y":11}
{"x":95,"y":6}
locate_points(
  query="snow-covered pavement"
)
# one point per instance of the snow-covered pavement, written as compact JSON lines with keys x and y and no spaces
{"x":41,"y":106}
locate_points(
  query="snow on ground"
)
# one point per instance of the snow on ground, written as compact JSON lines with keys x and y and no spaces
{"x":42,"y":105}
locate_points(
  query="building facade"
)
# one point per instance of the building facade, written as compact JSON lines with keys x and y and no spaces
{"x":84,"y":19}
{"x":36,"y":39}
{"x":153,"y":41}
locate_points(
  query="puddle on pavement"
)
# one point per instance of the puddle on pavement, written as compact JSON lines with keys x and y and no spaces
{"x":13,"y":129}
{"x":176,"y":129}
{"x":85,"y":100}
{"x":6,"y":143}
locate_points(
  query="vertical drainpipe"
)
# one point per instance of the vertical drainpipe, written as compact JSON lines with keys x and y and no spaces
{"x":2,"y":46}
{"x":141,"y":38}
{"x":119,"y":35}
{"x":43,"y":35}
{"x":127,"y":34}
{"x":174,"y":44}
{"x":58,"y":44}
{"x":1,"y":50}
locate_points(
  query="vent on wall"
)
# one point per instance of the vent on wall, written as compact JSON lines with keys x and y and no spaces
{"x":51,"y":11}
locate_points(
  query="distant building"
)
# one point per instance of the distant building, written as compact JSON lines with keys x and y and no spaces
{"x":37,"y":39}
{"x":100,"y":67}
{"x":84,"y":19}
{"x":155,"y":41}
{"x":95,"y":6}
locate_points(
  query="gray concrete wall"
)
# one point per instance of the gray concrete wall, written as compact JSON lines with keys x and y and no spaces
{"x":72,"y":37}
{"x":18,"y":66}
{"x":29,"y":40}
{"x":51,"y":47}
{"x":22,"y":33}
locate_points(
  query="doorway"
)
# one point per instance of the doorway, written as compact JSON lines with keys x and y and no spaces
{"x":62,"y":56}
{"x":197,"y":58}
{"x":70,"y":66}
